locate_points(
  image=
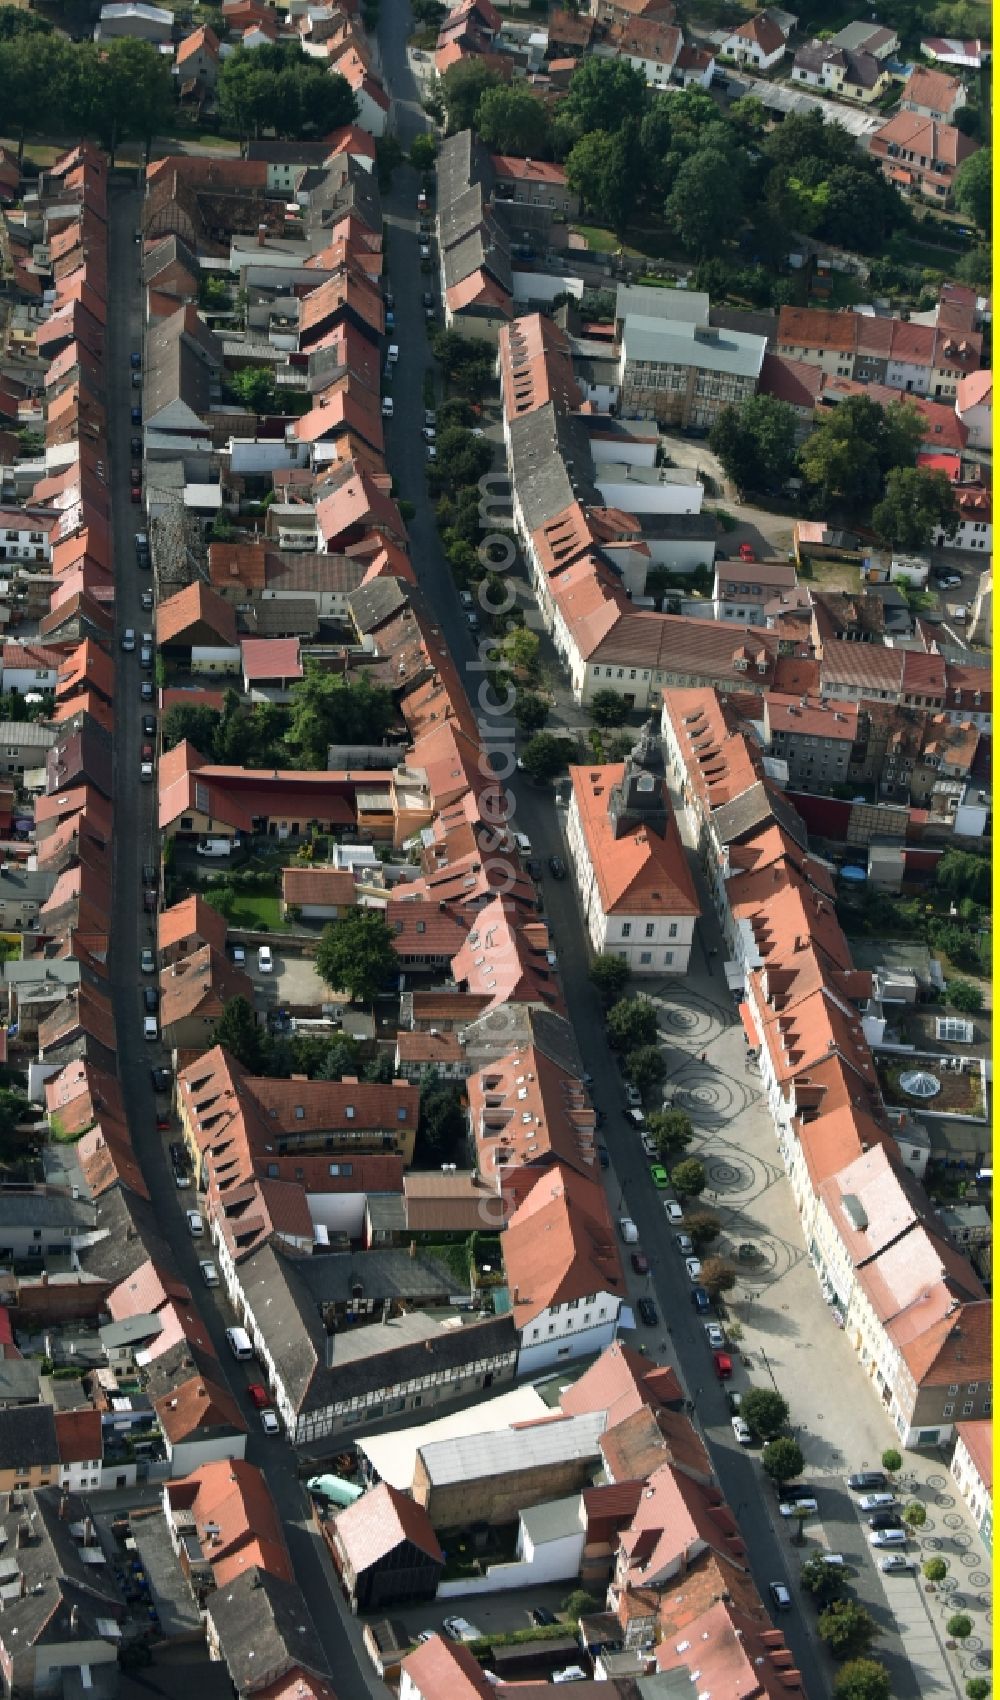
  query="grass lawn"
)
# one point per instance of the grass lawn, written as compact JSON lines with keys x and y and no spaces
{"x":602,"y":241}
{"x":831,"y":575}
{"x":255,"y":909}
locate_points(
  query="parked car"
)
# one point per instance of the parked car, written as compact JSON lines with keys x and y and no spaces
{"x":259,"y":1395}
{"x":867,"y":1481}
{"x":885,"y":1520}
{"x":149,"y":725}
{"x":876,"y":1501}
{"x":888,"y":1538}
{"x":791,"y":1507}
{"x":195,"y":1224}
{"x":135,"y":443}
{"x":896,"y":1563}
{"x":209,"y":1273}
{"x":150,"y":1027}
{"x":161,"y":1078}
{"x":269,"y":1422}
{"x":742,"y":1432}
{"x":723,"y":1365}
{"x":542,"y":1618}
{"x":146,"y":772}
{"x":146,"y":690}
{"x":147,"y":962}
{"x":714,"y":1336}
{"x":387,"y":407}
{"x":780,"y":1596}
{"x":640,"y":1263}
{"x":685,"y":1244}
{"x":647,"y":1312}
{"x":460,"y":1629}
{"x":658,"y":1175}
{"x":557,"y":867}
{"x":735,"y":1401}
{"x":633,"y":1097}
{"x":603,"y":1157}
{"x":674,"y":1210}
{"x":746,"y":552}
{"x":693,"y":1267}
{"x":128,"y":639}
{"x":136,"y":418}
{"x":794,"y":1490}
{"x":701,"y":1300}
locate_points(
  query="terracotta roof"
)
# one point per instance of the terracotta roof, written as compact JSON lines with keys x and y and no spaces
{"x":201,"y":985}
{"x":641,"y":1442}
{"x":934,"y":89}
{"x":234,"y":1497}
{"x":79,"y":1436}
{"x":318,"y":885}
{"x":193,"y":606}
{"x":974,"y":390}
{"x":380,"y":1522}
{"x":506,"y":960}
{"x":560,"y":1245}
{"x":237,"y":563}
{"x":188,"y":920}
{"x":271,"y":658}
{"x":674,"y":1517}
{"x":527,"y":1111}
{"x":197,"y":1406}
{"x":977,"y":1438}
{"x":764,"y":32}
{"x":638,"y":872}
{"x":445,"y":1670}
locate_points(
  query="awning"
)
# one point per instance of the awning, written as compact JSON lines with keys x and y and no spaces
{"x":749,"y":1027}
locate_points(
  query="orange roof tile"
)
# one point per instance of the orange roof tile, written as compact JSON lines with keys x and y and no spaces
{"x":638,"y":872}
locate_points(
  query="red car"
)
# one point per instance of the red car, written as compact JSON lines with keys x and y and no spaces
{"x":259,"y":1396}
{"x":136,"y":494}
{"x":640,"y":1263}
{"x":746,"y":553}
{"x":723,"y":1365}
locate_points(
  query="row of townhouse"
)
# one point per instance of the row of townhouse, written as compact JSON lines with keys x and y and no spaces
{"x":915,"y":1311}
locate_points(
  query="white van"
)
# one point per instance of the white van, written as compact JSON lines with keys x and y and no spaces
{"x":214,"y":847}
{"x":393,"y":354}
{"x":239,"y":1343}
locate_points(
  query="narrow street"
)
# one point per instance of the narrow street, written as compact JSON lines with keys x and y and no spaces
{"x":136,"y":843}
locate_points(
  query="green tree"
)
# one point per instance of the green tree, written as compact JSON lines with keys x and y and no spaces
{"x":423,"y":151}
{"x":892,"y":1461}
{"x":959,"y":1627}
{"x":862,"y":1679}
{"x":356,"y":954}
{"x":191,"y":723}
{"x":702,"y":1228}
{"x":462,"y":88}
{"x":328,"y":709}
{"x":607,"y":708}
{"x":254,"y":386}
{"x":846,"y":1627}
{"x":37,"y":75}
{"x":14,"y":22}
{"x":915,"y":1514}
{"x":672,"y":1132}
{"x":442,"y":1128}
{"x":510,"y":119}
{"x":975,"y":267}
{"x":604,"y":170}
{"x":461,"y":459}
{"x":965,"y":997}
{"x":340,"y":1058}
{"x":764,"y":1411}
{"x":917,"y":505}
{"x":689,"y":1178}
{"x":631,"y":1023}
{"x":278,"y":87}
{"x":823,"y":1581}
{"x":935,"y":1569}
{"x":848,"y":456}
{"x":706,"y":204}
{"x":530,"y":711}
{"x":579,"y":1604}
{"x":132,"y":92}
{"x":544,"y":756}
{"x":977,"y":1688}
{"x":520,"y":651}
{"x":756,"y":442}
{"x":646,"y":1067}
{"x":238,"y":1033}
{"x":602,"y":94}
{"x":781,"y":1459}
{"x":973,"y":188}
{"x":429,"y":13}
{"x":610,"y":974}
{"x":960,"y":874}
{"x":717,"y":1276}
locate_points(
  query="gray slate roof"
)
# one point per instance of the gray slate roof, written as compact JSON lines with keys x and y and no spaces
{"x":754,"y":808}
{"x":377,"y":1275}
{"x":263,"y":1624}
{"x":28,"y":1436}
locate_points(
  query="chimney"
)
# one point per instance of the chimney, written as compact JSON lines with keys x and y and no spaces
{"x":413,"y":1248}
{"x":64,"y":1506}
{"x":74,"y":1620}
{"x":22,"y":1534}
{"x":262,"y":235}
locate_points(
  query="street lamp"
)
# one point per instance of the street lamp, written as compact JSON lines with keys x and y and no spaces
{"x":767,"y":1365}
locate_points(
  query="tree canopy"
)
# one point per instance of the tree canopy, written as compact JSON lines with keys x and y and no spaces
{"x":278,"y":87}
{"x":510,"y":119}
{"x":764,"y":1411}
{"x":973,"y":188}
{"x":850,"y":453}
{"x":356,"y":954}
{"x":632,"y":1022}
{"x":462,"y":88}
{"x":544,"y":756}
{"x":781,"y":1459}
{"x":328,"y":709}
{"x":917,"y":505}
{"x":847,"y":1628}
{"x":237,"y":1032}
{"x":610,"y":975}
{"x":756,"y":442}
{"x":862,"y":1679}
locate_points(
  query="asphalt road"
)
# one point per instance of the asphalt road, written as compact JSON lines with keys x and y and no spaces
{"x":135,"y":843}
{"x":535,"y":812}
